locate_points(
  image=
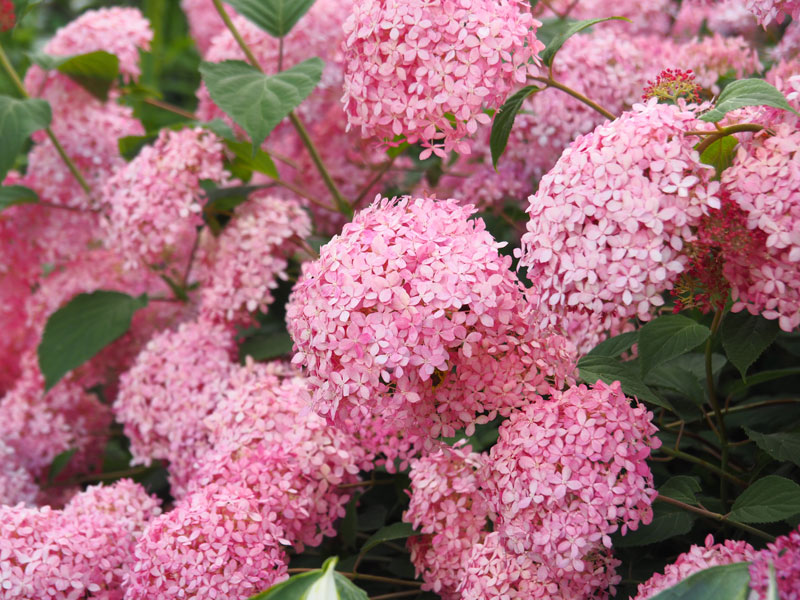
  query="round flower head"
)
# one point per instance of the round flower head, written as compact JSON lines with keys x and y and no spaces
{"x":448,"y":508}
{"x":608,"y":221}
{"x":784,"y":556}
{"x":569,"y":471}
{"x":411,"y":314}
{"x":16,"y":484}
{"x":204,"y":22}
{"x":213,"y":544}
{"x":427,"y":70}
{"x":696,"y":559}
{"x":241,"y":267}
{"x":124,"y":500}
{"x":153,"y":204}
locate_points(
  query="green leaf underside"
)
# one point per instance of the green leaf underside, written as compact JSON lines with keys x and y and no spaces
{"x":255,"y":101}
{"x":80,"y":329}
{"x":276,"y":17}
{"x":11,"y":195}
{"x":769,"y":499}
{"x":667,"y":337}
{"x":94,"y":71}
{"x":746,"y":92}
{"x":550,"y":51}
{"x":504,"y":121}
{"x":783,"y":446}
{"x":745,"y":337}
{"x":727,"y":582}
{"x":609,"y":370}
{"x":18,"y":120}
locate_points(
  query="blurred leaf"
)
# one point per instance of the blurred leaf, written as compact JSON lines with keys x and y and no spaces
{"x":59,"y":463}
{"x":548,"y":55}
{"x":261,"y":162}
{"x":83,"y":327}
{"x":226,"y":199}
{"x":276,"y":17}
{"x":504,"y":121}
{"x":18,"y":120}
{"x":609,"y":370}
{"x":616,"y":345}
{"x":745,"y":337}
{"x":130,"y":145}
{"x":666,"y":337}
{"x":769,"y":499}
{"x":780,"y":446}
{"x":255,"y":101}
{"x":681,"y":487}
{"x":11,"y":195}
{"x":728,"y":582}
{"x":395,"y":531}
{"x":93,"y":71}
{"x":746,"y":92}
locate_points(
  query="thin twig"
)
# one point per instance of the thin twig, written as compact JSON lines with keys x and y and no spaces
{"x":716,"y":516}
{"x":406,"y":594}
{"x":550,"y":82}
{"x":351,"y":575}
{"x":170,"y":108}
{"x":699,"y":461}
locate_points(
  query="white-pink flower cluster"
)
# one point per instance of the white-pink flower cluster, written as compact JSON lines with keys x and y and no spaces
{"x":428,"y":69}
{"x":16,"y":484}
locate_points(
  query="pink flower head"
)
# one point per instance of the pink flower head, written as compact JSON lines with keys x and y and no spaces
{"x":125,"y":501}
{"x":646,"y":16}
{"x":784,"y":556}
{"x":696,"y":559}
{"x":570,"y":470}
{"x":427,"y":70}
{"x":204,"y":21}
{"x":607,"y":223}
{"x":411,"y":315}
{"x":16,"y":483}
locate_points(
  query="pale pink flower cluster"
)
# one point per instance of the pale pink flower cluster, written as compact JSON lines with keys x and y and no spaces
{"x":241,"y":267}
{"x":16,"y":483}
{"x":784,"y":556}
{"x":448,"y":507}
{"x":204,"y":21}
{"x":83,"y":551}
{"x":570,"y":470}
{"x":646,"y":16}
{"x":152,"y":205}
{"x":713,"y":57}
{"x":696,"y":559}
{"x":427,"y":70}
{"x":608,"y":221}
{"x":412,"y":315}
{"x":726,"y":17}
{"x":767,"y":11}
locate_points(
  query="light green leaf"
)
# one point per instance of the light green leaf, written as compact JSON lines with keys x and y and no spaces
{"x":771,"y":498}
{"x":682,"y":488}
{"x":745,"y":337}
{"x":784,"y":446}
{"x":504,"y":121}
{"x":609,"y":370}
{"x":294,"y":588}
{"x":276,"y":17}
{"x":720,"y":153}
{"x":746,"y":92}
{"x":255,"y":101}
{"x":11,"y":195}
{"x":346,"y":589}
{"x":83,"y":327}
{"x":728,"y":582}
{"x":667,"y":337}
{"x":18,"y":120}
{"x":549,"y":53}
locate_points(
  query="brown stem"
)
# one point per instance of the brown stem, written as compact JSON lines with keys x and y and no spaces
{"x":699,"y":461}
{"x":171,"y":108}
{"x":716,"y":516}
{"x":406,"y":594}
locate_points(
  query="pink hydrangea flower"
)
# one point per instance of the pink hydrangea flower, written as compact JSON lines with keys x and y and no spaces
{"x":784,"y":556}
{"x":204,"y":21}
{"x":427,"y":70}
{"x":126,"y":501}
{"x":696,"y":559}
{"x":607,"y":223}
{"x":569,"y":471}
{"x":16,"y":483}
{"x":726,"y":17}
{"x":647,"y":16}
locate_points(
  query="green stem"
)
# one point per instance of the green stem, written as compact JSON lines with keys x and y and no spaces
{"x":550,"y":82}
{"x":713,"y":136}
{"x":712,"y":398}
{"x":12,"y":74}
{"x":717,"y":517}
{"x":699,"y":461}
{"x":378,"y":176}
{"x":406,"y":594}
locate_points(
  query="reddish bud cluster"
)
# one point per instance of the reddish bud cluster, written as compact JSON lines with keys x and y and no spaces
{"x":672,"y":84}
{"x":7,"y":18}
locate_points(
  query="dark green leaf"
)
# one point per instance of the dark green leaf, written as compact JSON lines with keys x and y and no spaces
{"x":16,"y":194}
{"x":549,"y":53}
{"x":728,"y":582}
{"x":228,"y":198}
{"x":395,"y":531}
{"x":264,"y":347}
{"x":348,"y":590}
{"x":668,"y":521}
{"x":771,"y":498}
{"x":59,"y":463}
{"x":276,"y":17}
{"x":745,"y":337}
{"x":18,"y":120}
{"x":83,"y":327}
{"x":504,"y":121}
{"x":746,"y":92}
{"x":349,"y":525}
{"x":372,"y":518}
{"x":255,"y":101}
{"x":784,"y":446}
{"x":94,"y":71}
{"x":293,"y":588}
{"x":681,"y":487}
{"x":609,"y":370}
{"x":763,"y":377}
{"x":666,"y":337}
{"x":720,"y":153}
{"x":130,"y":145}
{"x":616,"y":345}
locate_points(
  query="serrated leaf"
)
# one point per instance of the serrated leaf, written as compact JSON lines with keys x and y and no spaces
{"x":746,"y":92}
{"x":667,"y":522}
{"x":783,"y":446}
{"x":18,"y":120}
{"x":745,"y":337}
{"x":83,"y":327}
{"x":276,"y":17}
{"x":60,"y":463}
{"x":667,"y":337}
{"x":255,"y":101}
{"x":11,"y":195}
{"x":549,"y":53}
{"x":616,"y":345}
{"x":504,"y":121}
{"x":395,"y":531}
{"x":769,"y":499}
{"x":609,"y":370}
{"x":95,"y":71}
{"x":720,"y":153}
{"x":728,"y":582}
{"x":682,"y":488}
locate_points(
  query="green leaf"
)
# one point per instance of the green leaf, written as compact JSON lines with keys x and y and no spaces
{"x":616,"y":345}
{"x":746,"y":92}
{"x":261,"y":162}
{"x":266,"y":346}
{"x":255,"y":101}
{"x":18,"y":120}
{"x":348,"y":590}
{"x":276,"y":17}
{"x":349,"y":524}
{"x":549,"y":53}
{"x":668,"y":521}
{"x":783,"y":446}
{"x":130,"y":145}
{"x":228,"y":198}
{"x":609,"y":370}
{"x":95,"y":71}
{"x":59,"y":463}
{"x":11,"y":195}
{"x":745,"y":337}
{"x":728,"y":582}
{"x":395,"y":531}
{"x":666,"y":337}
{"x":293,"y":588}
{"x":772,"y":587}
{"x":681,"y":487}
{"x":771,"y":498}
{"x":504,"y":121}
{"x":83,"y":327}
{"x":762,"y":377}
{"x":720,"y":153}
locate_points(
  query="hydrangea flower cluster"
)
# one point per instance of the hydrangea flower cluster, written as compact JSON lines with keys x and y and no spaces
{"x":608,"y":221}
{"x":784,"y":556}
{"x":16,"y":483}
{"x":427,"y":70}
{"x":204,"y":22}
{"x":646,"y":16}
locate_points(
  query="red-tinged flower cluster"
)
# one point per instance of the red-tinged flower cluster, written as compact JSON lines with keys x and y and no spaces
{"x":672,"y":84}
{"x":7,"y":17}
{"x":782,"y":555}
